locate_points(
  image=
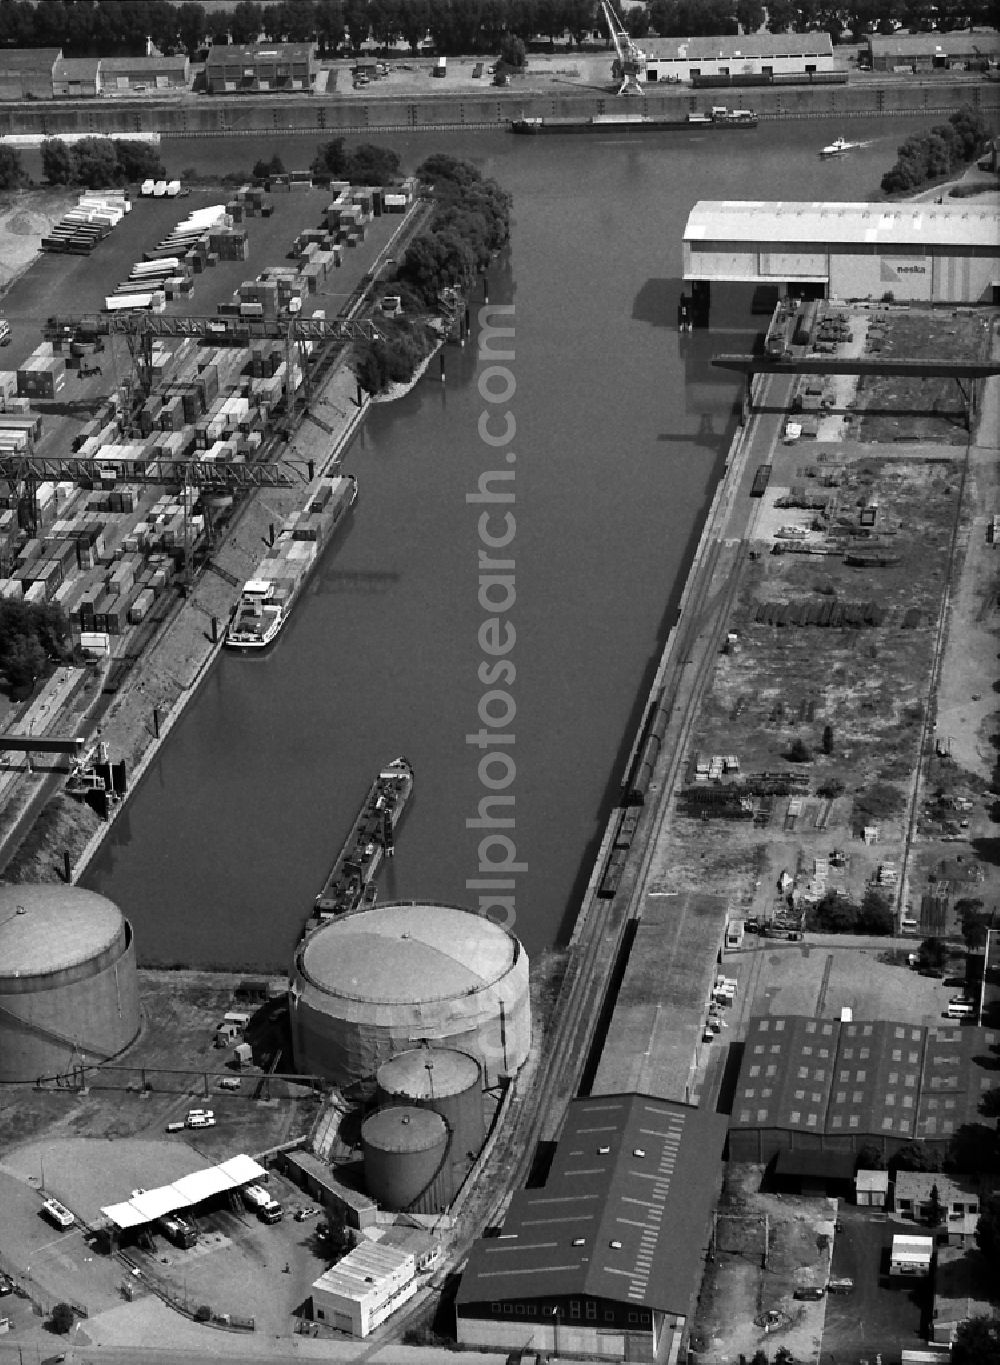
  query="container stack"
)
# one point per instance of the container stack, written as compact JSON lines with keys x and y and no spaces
{"x":80,"y":230}
{"x":43,"y":374}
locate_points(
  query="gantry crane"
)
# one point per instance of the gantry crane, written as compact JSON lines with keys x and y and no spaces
{"x":25,"y":469}
{"x":139,"y":329}
{"x":630,"y":61}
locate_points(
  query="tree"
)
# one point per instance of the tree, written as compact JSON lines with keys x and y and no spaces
{"x":932,"y":955}
{"x":138,"y":161}
{"x":264,"y":168}
{"x":12,"y":173}
{"x":988,"y":1230}
{"x":830,"y":788}
{"x":414,"y":21}
{"x":828,"y":739}
{"x":245,"y":22}
{"x":329,"y":26}
{"x":871,"y":1158}
{"x":989,"y":1105}
{"x":913,"y":1156}
{"x":750,"y":15}
{"x":330,"y":159}
{"x":371,"y":165}
{"x":936,"y":1211}
{"x":62,"y":1318}
{"x":192,"y":26}
{"x":875,"y":914}
{"x":977,"y":1342}
{"x":513,"y":52}
{"x":799,"y":751}
{"x":834,"y":914}
{"x":57,"y":162}
{"x":95,"y":163}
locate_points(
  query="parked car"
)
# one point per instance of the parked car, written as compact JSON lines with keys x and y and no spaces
{"x":840,"y":1286}
{"x":6,"y":1285}
{"x":309,"y":1211}
{"x":809,"y":1291}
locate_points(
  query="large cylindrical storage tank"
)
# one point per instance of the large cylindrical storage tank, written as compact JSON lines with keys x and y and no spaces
{"x":375,"y":983}
{"x":442,"y":1079}
{"x":407,"y":1164}
{"x":69,"y":992}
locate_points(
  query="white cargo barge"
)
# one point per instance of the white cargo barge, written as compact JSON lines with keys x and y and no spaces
{"x":267,"y":599}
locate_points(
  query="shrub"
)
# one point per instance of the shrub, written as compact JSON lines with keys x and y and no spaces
{"x":202,"y":1313}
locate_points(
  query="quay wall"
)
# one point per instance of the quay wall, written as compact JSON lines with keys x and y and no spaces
{"x":204,"y":116}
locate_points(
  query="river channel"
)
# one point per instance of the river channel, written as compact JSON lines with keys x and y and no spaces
{"x":622,"y":429}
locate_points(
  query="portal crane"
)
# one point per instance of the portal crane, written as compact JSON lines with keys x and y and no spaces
{"x":630,"y":62}
{"x":139,"y":329}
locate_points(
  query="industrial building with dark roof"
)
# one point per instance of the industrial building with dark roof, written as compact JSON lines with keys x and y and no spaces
{"x":253,"y":67}
{"x":821,"y":1085}
{"x":605,"y":1259}
{"x":26,"y":72}
{"x":929,"y":51}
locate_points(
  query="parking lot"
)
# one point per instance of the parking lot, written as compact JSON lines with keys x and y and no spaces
{"x":239,"y":1265}
{"x":881,"y":1315}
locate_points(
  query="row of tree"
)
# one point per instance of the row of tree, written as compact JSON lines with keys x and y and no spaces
{"x":106,"y":27}
{"x":948,"y":147}
{"x":100,"y":162}
{"x":470,"y":223}
{"x":32,"y":637}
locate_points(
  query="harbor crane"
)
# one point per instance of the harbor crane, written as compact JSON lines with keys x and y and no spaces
{"x":630,"y":61}
{"x":140,"y":328}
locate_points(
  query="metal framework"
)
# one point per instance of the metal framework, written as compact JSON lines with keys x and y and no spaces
{"x":236,"y":474}
{"x":828,"y":364}
{"x":916,"y":368}
{"x":630,"y":63}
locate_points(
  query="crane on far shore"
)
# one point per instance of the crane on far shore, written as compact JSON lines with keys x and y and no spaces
{"x":630,"y":61}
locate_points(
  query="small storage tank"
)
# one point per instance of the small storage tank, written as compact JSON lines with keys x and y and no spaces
{"x":406,"y":1159}
{"x":442,"y":1079}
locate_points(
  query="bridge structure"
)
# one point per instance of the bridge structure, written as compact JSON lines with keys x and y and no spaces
{"x":967,"y":374}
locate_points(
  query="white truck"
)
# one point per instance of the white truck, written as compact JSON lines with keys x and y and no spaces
{"x":266,"y":1207}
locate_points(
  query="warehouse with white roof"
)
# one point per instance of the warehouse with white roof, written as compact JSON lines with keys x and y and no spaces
{"x":931,"y":253}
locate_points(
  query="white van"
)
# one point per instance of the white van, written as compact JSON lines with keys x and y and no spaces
{"x":58,"y":1213}
{"x":957,"y":1011}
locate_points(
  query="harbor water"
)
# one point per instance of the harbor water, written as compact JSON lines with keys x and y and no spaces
{"x":621,"y":431}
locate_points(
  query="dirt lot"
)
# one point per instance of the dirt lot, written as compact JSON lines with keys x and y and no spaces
{"x":176,"y":1061}
{"x":766,"y":1247}
{"x":808,"y":1239}
{"x":558,"y":72}
{"x":884,"y":530}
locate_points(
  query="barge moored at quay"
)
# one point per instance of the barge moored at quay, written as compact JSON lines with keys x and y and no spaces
{"x":267,"y":599}
{"x":372,"y":837}
{"x":718,"y":117}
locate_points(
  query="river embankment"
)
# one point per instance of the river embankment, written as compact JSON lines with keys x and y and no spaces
{"x":326,"y":115}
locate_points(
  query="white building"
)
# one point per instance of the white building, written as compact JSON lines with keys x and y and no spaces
{"x":911,"y":1255}
{"x":932,"y":253}
{"x":365,"y":1288}
{"x":748,"y":54}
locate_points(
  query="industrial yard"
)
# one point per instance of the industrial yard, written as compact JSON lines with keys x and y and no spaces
{"x":829,"y":690}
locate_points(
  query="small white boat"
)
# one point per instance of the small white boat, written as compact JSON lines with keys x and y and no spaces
{"x":837,"y":147}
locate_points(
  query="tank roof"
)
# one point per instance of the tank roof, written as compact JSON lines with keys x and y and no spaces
{"x":404,"y":1129}
{"x":407,"y":952}
{"x":46,"y":927}
{"x":426,"y":1073}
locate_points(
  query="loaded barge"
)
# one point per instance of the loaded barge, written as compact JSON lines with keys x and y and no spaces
{"x":267,"y":599}
{"x":350,"y":882}
{"x":718,"y":117}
